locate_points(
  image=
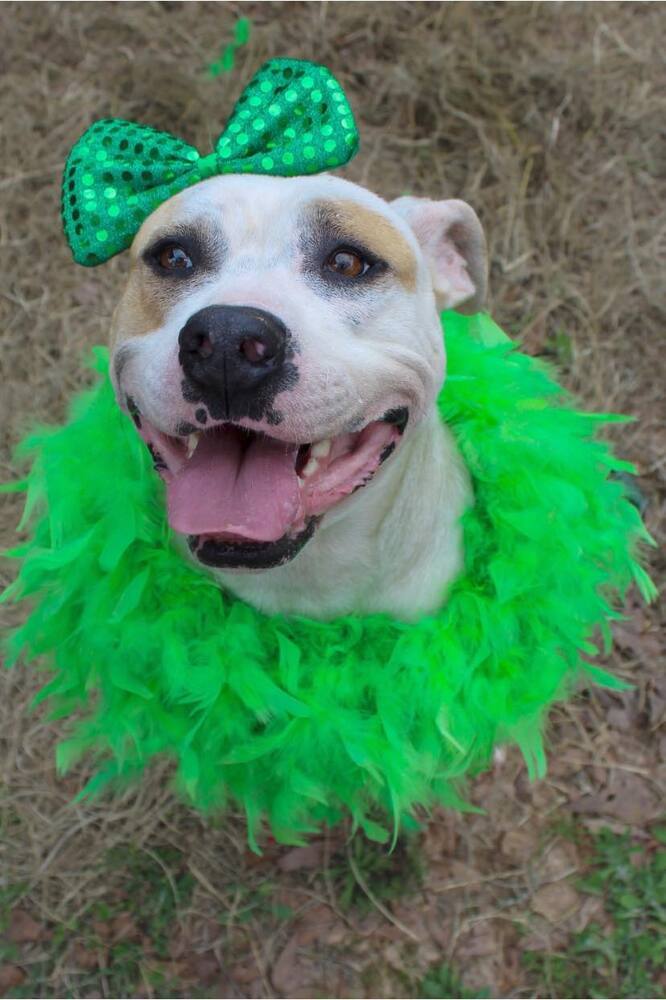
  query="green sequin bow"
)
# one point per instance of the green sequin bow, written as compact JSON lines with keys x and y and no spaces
{"x":292,"y":118}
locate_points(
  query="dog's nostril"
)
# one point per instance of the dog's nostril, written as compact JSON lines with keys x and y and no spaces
{"x":254,"y":350}
{"x":200,"y":345}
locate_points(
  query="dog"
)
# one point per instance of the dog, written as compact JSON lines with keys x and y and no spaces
{"x":279,"y":347}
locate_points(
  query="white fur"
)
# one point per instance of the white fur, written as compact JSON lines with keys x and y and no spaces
{"x":395,"y":545}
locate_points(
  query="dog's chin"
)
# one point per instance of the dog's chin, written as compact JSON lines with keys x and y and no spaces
{"x":246,"y":501}
{"x":235,"y":554}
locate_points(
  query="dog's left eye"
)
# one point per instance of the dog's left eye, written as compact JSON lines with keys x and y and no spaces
{"x":347,"y":263}
{"x":173,"y":257}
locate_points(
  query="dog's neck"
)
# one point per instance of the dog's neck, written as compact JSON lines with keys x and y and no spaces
{"x":392,"y":547}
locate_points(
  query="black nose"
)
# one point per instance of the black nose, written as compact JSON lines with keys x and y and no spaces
{"x":230,"y":352}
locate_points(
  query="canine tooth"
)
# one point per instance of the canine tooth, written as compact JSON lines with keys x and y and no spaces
{"x":321,"y":448}
{"x":192,"y":442}
{"x":310,"y":468}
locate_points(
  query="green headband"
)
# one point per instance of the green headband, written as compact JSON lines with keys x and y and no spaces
{"x":292,"y":118}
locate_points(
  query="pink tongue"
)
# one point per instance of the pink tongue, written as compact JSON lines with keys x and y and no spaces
{"x":230,"y":486}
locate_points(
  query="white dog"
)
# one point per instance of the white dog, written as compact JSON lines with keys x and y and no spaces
{"x":280,"y":350}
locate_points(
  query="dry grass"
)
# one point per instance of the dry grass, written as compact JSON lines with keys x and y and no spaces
{"x":549,"y":120}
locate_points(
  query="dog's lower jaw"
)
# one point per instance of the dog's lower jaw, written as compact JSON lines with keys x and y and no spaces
{"x":393,"y":547}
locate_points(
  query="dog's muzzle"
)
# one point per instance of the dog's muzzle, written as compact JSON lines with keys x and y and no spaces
{"x":243,"y":498}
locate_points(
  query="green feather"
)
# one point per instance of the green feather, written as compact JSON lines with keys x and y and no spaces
{"x":299,"y":721}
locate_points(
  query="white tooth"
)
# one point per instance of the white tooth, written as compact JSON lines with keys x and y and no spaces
{"x":321,"y":448}
{"x":192,"y":442}
{"x":310,"y":468}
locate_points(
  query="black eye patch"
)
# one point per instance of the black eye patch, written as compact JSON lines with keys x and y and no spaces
{"x":185,"y":252}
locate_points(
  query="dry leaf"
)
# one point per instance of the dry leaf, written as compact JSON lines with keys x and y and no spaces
{"x":662,"y":747}
{"x":628,"y":798}
{"x":315,"y":926}
{"x":203,"y":969}
{"x":23,"y":928}
{"x":307,"y":857}
{"x":557,"y":862}
{"x":656,"y":692}
{"x":518,"y":845}
{"x":10,"y":977}
{"x":88,"y":958}
{"x":286,"y":974}
{"x":124,"y":928}
{"x":242,"y":973}
{"x":480,"y":940}
{"x":555,"y":901}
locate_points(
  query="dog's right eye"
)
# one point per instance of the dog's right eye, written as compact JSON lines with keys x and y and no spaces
{"x":172,"y":257}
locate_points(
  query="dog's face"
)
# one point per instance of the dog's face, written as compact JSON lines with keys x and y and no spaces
{"x":276,"y":342}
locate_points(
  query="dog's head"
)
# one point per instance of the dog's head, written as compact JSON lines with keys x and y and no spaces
{"x":277,"y":340}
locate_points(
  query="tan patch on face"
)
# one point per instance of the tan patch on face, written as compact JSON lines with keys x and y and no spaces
{"x":147,"y":299}
{"x":142,"y":308}
{"x":374,"y":231}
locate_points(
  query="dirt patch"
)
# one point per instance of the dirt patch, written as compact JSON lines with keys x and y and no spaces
{"x":548,"y":119}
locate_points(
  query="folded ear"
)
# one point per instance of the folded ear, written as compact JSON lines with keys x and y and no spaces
{"x":451,"y":237}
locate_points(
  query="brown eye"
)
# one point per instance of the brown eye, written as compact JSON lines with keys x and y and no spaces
{"x":347,"y":263}
{"x":173,"y":258}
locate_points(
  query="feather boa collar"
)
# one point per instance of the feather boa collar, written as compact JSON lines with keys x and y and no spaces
{"x":301,"y":721}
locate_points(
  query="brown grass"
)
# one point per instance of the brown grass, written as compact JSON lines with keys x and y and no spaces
{"x":548,"y":119}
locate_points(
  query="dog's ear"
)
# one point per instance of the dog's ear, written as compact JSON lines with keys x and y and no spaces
{"x":451,"y":237}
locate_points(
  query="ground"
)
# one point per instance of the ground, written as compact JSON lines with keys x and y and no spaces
{"x":548,"y":119}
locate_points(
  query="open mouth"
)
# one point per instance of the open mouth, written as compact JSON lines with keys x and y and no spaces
{"x":246,"y":500}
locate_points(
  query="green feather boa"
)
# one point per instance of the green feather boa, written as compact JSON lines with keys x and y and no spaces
{"x":301,"y":721}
